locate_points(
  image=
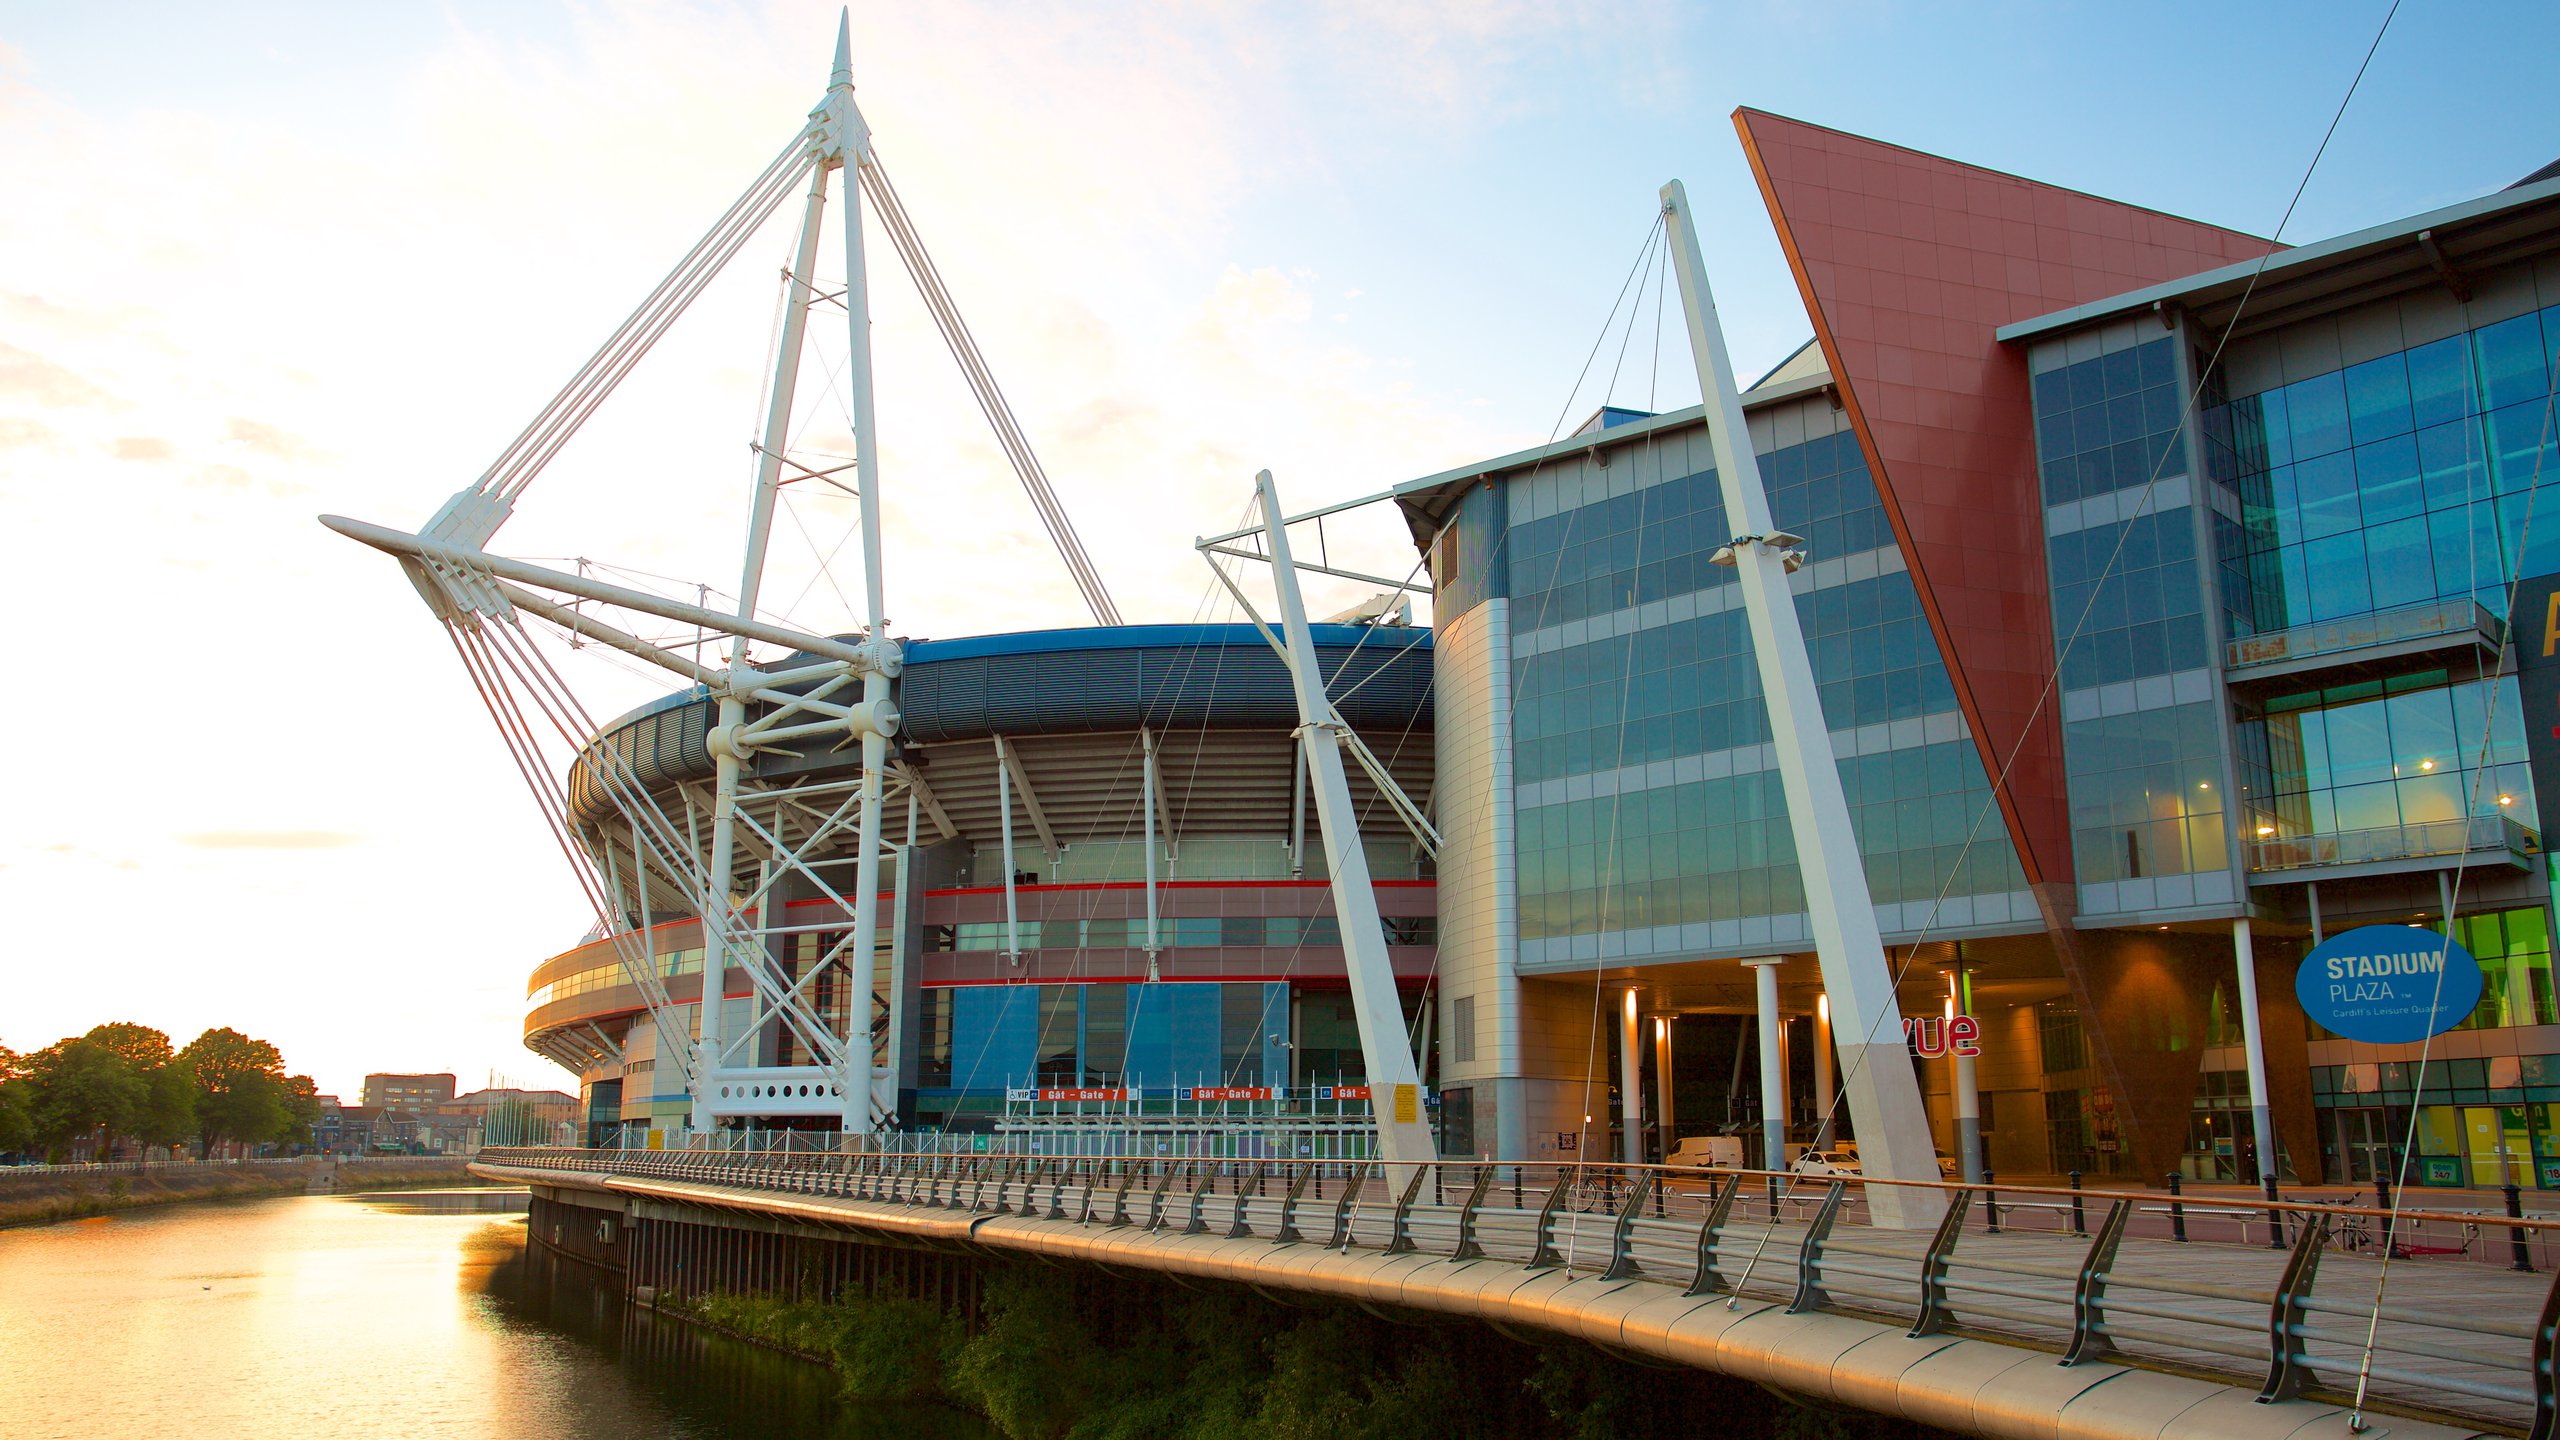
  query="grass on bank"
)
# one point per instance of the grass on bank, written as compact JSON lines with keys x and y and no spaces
{"x":1066,"y":1356}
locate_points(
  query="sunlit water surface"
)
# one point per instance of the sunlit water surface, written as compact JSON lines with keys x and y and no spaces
{"x":327,"y":1317}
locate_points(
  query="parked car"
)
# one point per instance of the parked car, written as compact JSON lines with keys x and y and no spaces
{"x":1946,"y":1165}
{"x":1838,"y":1164}
{"x":1704,"y":1151}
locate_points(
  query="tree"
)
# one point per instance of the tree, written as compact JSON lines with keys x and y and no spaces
{"x":81,"y":1086}
{"x":17,"y":1124}
{"x":139,"y":1046}
{"x":241,"y":1091}
{"x":167,"y":1114}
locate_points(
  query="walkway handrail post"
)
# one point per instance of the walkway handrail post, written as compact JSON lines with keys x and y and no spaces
{"x":1990,"y":1202}
{"x":1120,"y":1197}
{"x":2079,"y":1209}
{"x":1467,"y":1247}
{"x":2546,"y":1366}
{"x":1622,"y":1254}
{"x":1204,"y":1178}
{"x":2089,"y":1293}
{"x":2288,"y":1369}
{"x":1809,"y":1293}
{"x":1237,"y":1229}
{"x":1934,"y":1315}
{"x":1703,"y":1280}
{"x":1155,"y":1205}
{"x":1545,"y":1256}
{"x":2515,"y":1234}
{"x":2178,"y":1211}
{"x":2275,"y":1212}
{"x":1288,"y":1232}
{"x":1400,"y":1242}
{"x":1351,"y":1184}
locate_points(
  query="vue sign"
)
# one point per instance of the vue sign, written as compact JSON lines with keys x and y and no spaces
{"x":2388,"y":984}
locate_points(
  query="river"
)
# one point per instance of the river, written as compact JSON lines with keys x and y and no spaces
{"x":319,"y":1317}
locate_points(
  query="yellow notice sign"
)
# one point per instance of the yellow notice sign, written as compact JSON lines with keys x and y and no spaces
{"x":1408,"y":1102}
{"x":657,"y":1139}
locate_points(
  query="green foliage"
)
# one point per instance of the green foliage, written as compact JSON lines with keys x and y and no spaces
{"x":168,"y":1113}
{"x":241,"y":1090}
{"x":81,"y":1087}
{"x":894,"y":1349}
{"x":17,"y":1124}
{"x":1066,"y":1354}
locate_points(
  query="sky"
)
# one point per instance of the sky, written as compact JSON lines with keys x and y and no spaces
{"x":263,"y":261}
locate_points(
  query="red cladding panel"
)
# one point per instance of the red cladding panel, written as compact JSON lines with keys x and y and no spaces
{"x":1908,"y":263}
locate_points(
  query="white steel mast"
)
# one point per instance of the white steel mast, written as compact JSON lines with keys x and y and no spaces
{"x":482,"y":599}
{"x":1395,"y":1081}
{"x":1884,"y":1095}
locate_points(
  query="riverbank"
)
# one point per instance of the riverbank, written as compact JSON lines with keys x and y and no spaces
{"x":1056,"y":1355}
{"x":46,"y":1198}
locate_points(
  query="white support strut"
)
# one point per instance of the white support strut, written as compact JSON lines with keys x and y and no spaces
{"x":1884,"y":1094}
{"x":1404,"y":1138}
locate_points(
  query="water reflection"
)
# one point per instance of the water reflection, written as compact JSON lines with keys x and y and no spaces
{"x":335,"y":1317}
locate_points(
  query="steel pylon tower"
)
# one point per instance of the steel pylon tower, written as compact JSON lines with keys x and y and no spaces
{"x":755,"y":844}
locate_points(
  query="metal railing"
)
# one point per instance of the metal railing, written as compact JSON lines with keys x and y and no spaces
{"x":2420,"y":841}
{"x":2275,"y":1294}
{"x":2455,"y":621}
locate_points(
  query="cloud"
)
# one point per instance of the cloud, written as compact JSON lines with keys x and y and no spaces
{"x":142,"y":447}
{"x":16,"y":434}
{"x":23,"y":373}
{"x":270,"y":839}
{"x":269,"y":440}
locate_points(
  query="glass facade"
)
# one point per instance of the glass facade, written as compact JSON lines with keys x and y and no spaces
{"x":1678,"y":682}
{"x":2392,"y":754}
{"x":2141,"y":739}
{"x":2144,"y":800}
{"x":2395,"y":481}
{"x":984,"y":1039}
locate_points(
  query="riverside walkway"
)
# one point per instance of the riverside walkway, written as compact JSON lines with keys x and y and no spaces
{"x":2042,"y":1314}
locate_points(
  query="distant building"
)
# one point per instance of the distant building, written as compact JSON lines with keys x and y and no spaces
{"x":407,"y":1092}
{"x":500,"y":1116}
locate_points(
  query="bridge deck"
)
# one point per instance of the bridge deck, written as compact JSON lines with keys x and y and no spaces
{"x":2456,"y":1341}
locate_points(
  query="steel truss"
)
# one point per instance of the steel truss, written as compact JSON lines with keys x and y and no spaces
{"x":723,"y":853}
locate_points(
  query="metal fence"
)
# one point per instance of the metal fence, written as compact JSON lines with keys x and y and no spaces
{"x":2275,"y":1294}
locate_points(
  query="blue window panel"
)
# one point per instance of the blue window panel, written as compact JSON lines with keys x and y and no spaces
{"x":2319,"y":415}
{"x":2402,"y":566}
{"x":1174,"y":1034}
{"x":2336,"y":577}
{"x":2440,"y":381}
{"x":2378,"y":399}
{"x":995,"y":1035}
{"x":2511,"y":361}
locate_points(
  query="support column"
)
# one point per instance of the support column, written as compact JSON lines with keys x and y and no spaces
{"x":1404,"y":1137}
{"x":1968,"y":1093}
{"x":1826,"y":1097}
{"x":2313,"y":890}
{"x":1630,"y":1083}
{"x":1773,"y":1076}
{"x":2262,"y":1123}
{"x":1662,"y":1084}
{"x":715,"y":902}
{"x":1884,"y":1091}
{"x":1004,"y":809}
{"x":1147,"y":785}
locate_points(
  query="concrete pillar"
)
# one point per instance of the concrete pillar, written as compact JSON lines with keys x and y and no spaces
{"x":2313,"y":890}
{"x":1662,"y":1083}
{"x":1826,"y":1095}
{"x":1968,"y":1093}
{"x":1773,"y":1076}
{"x":2262,"y":1123}
{"x":1630,"y":1086}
